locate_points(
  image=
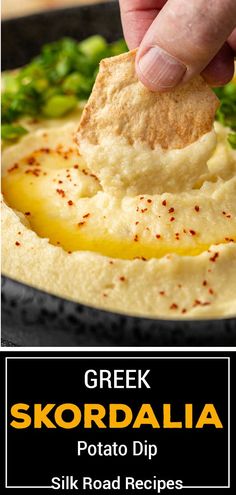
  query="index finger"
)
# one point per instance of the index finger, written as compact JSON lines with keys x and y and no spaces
{"x":137,"y":16}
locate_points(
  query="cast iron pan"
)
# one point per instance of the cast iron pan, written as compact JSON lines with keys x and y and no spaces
{"x":31,"y":317}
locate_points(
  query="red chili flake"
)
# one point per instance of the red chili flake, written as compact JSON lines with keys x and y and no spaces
{"x":45,"y":150}
{"x":60,"y":182}
{"x":228,"y":216}
{"x":174,"y":306}
{"x":87,"y":215}
{"x":177,"y":236}
{"x":223,"y":212}
{"x":197,"y":208}
{"x":214,"y":257}
{"x":31,"y":160}
{"x":197,"y":302}
{"x":17,"y":243}
{"x":80,"y":224}
{"x":14,"y":167}
{"x":149,"y":201}
{"x":228,"y":239}
{"x":27,"y":213}
{"x":171,"y":210}
{"x":61,"y":192}
{"x":136,"y":238}
{"x":158,"y":236}
{"x":143,"y":210}
{"x":136,"y":223}
{"x":164,"y":202}
{"x":70,"y":203}
{"x":122,"y":279}
{"x":162,"y":292}
{"x":184,"y":310}
{"x":85,"y":172}
{"x":172,"y":219}
{"x":204,"y":283}
{"x":210,"y":291}
{"x":76,"y":166}
{"x":192,"y":232}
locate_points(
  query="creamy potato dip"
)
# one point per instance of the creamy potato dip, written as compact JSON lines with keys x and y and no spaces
{"x":166,"y":251}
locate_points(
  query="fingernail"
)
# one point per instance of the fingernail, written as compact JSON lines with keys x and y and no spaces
{"x":160,"y":69}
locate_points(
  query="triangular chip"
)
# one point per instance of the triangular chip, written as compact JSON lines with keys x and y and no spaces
{"x":122,"y":111}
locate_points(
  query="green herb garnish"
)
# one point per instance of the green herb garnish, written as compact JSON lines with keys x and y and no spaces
{"x":53,"y":83}
{"x":226,"y":113}
{"x":11,"y":132}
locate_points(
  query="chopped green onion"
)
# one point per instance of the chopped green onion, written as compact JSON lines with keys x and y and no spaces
{"x":232,"y":140}
{"x":77,"y":84}
{"x":94,"y":47}
{"x":59,"y":105}
{"x":11,"y":132}
{"x":54,"y":82}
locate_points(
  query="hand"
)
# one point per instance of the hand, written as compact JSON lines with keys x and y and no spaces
{"x":178,"y":39}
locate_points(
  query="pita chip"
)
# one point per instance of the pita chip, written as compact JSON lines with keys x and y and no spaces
{"x":137,"y":141}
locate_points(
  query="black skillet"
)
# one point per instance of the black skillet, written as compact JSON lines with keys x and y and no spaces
{"x":31,"y":317}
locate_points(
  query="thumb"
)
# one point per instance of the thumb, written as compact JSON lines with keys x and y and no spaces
{"x":182,"y":40}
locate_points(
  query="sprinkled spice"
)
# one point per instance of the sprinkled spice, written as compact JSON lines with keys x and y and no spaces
{"x":171,"y":210}
{"x":184,"y":310}
{"x":214,"y":257}
{"x":204,"y":283}
{"x":14,"y":167}
{"x":172,"y":219}
{"x":76,"y":166}
{"x":61,"y":192}
{"x":174,"y":306}
{"x":19,"y":233}
{"x":60,"y":182}
{"x":158,"y":236}
{"x":70,"y":203}
{"x":197,"y":208}
{"x":17,"y":243}
{"x":27,"y":213}
{"x":149,"y":201}
{"x":136,"y":238}
{"x":80,"y":224}
{"x":31,"y":160}
{"x":211,"y":291}
{"x":122,"y":279}
{"x":143,"y":210}
{"x":87,"y":215}
{"x":162,"y":292}
{"x":136,"y":223}
{"x":192,"y":232}
{"x":164,"y":202}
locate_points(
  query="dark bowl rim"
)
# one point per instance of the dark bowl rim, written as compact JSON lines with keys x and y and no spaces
{"x":177,"y":321}
{"x":183,"y":321}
